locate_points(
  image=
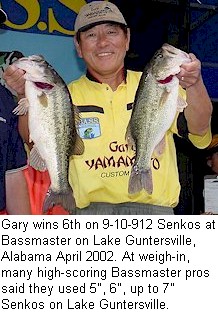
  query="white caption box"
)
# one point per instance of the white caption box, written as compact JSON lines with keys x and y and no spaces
{"x":104,"y":263}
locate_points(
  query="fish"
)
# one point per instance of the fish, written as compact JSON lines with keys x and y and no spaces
{"x":155,"y":106}
{"x":52,"y":120}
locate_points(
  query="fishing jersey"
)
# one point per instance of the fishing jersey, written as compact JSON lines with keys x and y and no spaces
{"x":12,"y":152}
{"x":102,"y":173}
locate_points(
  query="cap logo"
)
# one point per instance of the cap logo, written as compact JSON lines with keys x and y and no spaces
{"x":99,"y":13}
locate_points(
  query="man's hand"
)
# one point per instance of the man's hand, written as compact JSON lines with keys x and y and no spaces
{"x":14,"y":78}
{"x":190,"y":73}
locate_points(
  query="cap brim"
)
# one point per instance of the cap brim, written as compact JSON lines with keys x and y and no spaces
{"x":89,"y":26}
{"x":3,"y":16}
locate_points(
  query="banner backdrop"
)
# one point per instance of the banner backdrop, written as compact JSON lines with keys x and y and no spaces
{"x":44,"y":27}
{"x":51,"y":17}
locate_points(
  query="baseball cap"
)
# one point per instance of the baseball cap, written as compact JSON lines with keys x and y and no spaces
{"x":3,"y":16}
{"x":98,"y":12}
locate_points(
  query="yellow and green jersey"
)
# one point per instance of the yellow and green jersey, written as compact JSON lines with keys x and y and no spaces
{"x":102,"y":173}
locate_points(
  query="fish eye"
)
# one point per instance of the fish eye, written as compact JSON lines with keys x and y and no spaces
{"x":159,"y":55}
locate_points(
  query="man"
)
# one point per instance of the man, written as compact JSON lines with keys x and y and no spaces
{"x":14,"y":197}
{"x":104,"y":96}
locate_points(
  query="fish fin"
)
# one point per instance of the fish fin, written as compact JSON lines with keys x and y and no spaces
{"x":43,"y":99}
{"x":36,"y":161}
{"x":140,"y":180}
{"x":78,"y":146}
{"x":164,"y":97}
{"x":77,"y":115}
{"x":181,"y":104}
{"x":129,"y":138}
{"x":22,"y":107}
{"x":66,"y":200}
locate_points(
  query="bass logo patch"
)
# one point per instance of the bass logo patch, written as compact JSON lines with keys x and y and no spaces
{"x":89,"y":128}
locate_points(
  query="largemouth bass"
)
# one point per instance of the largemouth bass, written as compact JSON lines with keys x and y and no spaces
{"x":155,"y":106}
{"x":52,"y":127}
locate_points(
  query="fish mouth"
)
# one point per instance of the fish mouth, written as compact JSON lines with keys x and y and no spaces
{"x":166,"y":80}
{"x":39,"y":81}
{"x":170,"y":65}
{"x":43,"y":85}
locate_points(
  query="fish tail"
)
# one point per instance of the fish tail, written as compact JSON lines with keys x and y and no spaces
{"x":66,"y":200}
{"x":140,"y":180}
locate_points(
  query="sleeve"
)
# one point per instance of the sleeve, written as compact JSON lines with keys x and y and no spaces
{"x":16,"y":154}
{"x":201,"y":141}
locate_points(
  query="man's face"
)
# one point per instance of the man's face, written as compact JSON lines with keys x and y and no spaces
{"x":103,"y":48}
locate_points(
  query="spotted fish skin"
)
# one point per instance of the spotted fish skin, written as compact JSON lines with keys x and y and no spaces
{"x":52,"y":127}
{"x":155,"y":106}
